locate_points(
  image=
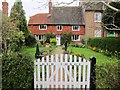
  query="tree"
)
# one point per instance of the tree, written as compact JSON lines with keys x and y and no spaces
{"x":111,"y":18}
{"x":12,"y":39}
{"x":17,"y":15}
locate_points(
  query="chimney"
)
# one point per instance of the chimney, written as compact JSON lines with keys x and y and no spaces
{"x":50,"y":6}
{"x":5,"y":7}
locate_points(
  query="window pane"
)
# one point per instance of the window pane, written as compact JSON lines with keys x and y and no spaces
{"x":98,"y":17}
{"x":43,"y":27}
{"x":59,"y":27}
{"x":75,"y":37}
{"x":75,"y":27}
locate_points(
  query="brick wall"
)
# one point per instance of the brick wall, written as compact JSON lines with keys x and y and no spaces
{"x":90,"y":25}
{"x":53,"y":29}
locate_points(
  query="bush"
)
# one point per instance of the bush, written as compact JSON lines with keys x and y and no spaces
{"x":17,"y":71}
{"x":79,"y":45}
{"x":108,"y":75}
{"x":109,"y":45}
{"x":30,"y":40}
{"x":66,"y":36}
{"x":53,"y":41}
{"x":48,"y":36}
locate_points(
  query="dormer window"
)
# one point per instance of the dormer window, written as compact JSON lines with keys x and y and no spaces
{"x":75,"y":28}
{"x":59,"y":27}
{"x":42,"y":27}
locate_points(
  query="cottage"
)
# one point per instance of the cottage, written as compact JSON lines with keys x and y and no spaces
{"x":59,"y":20}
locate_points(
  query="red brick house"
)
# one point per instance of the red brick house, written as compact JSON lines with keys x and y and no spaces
{"x":59,"y":20}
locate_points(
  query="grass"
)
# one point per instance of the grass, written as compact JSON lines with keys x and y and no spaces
{"x":32,"y":50}
{"x":100,"y":58}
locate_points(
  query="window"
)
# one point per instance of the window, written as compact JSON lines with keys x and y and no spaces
{"x":42,"y":27}
{"x":76,"y":28}
{"x":39,"y":37}
{"x":97,"y":33}
{"x":59,"y":27}
{"x":97,"y":17}
{"x":75,"y":37}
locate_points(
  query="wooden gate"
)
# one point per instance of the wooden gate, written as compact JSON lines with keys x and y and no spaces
{"x":61,"y":71}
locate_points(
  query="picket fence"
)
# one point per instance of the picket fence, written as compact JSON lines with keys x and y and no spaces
{"x":61,"y":71}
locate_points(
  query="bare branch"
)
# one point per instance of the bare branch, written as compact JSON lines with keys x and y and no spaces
{"x":113,"y":8}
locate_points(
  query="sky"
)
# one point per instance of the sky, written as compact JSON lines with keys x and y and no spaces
{"x":32,"y":7}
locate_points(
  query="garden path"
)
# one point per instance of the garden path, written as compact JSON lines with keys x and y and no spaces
{"x":58,"y":50}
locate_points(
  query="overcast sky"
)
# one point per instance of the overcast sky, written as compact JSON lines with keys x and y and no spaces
{"x":32,"y":7}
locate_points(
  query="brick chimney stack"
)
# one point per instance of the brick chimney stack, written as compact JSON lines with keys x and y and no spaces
{"x":5,"y":7}
{"x":50,"y":6}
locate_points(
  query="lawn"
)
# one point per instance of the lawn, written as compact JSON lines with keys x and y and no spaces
{"x":32,"y":50}
{"x":100,"y":58}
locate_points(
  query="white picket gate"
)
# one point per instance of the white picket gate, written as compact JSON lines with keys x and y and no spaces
{"x":61,"y":71}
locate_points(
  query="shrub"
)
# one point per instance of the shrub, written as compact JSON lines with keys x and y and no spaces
{"x":108,"y":75}
{"x":80,"y":45}
{"x":48,"y":36}
{"x":30,"y":40}
{"x":53,"y":41}
{"x":17,"y":71}
{"x":109,"y":45}
{"x":66,"y":36}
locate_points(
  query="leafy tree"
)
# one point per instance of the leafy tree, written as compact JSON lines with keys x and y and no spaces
{"x":12,"y":39}
{"x":17,"y":15}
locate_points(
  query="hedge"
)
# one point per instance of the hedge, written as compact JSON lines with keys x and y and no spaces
{"x":17,"y":71}
{"x":106,"y":43}
{"x":108,"y":75}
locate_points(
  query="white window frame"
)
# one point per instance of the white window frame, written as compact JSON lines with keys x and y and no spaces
{"x":75,"y":29}
{"x":97,"y":17}
{"x":42,"y":28}
{"x":37,"y":37}
{"x":58,"y":27}
{"x":97,"y":33}
{"x":74,"y":38}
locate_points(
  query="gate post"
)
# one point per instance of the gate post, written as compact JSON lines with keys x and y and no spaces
{"x":93,"y":73}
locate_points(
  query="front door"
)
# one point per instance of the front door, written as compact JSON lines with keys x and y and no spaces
{"x":58,"y":39}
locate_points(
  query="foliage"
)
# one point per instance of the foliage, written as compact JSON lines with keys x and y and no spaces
{"x":108,"y":75}
{"x":109,"y":46}
{"x":101,"y":58}
{"x":17,"y":71}
{"x":80,"y":45}
{"x":48,"y":36}
{"x":66,"y":36}
{"x":12,"y":39}
{"x":53,"y":41}
{"x":17,"y":16}
{"x":30,"y":40}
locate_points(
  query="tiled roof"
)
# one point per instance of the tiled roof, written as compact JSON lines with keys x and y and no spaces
{"x":60,"y":15}
{"x":67,"y":15}
{"x":41,"y":18}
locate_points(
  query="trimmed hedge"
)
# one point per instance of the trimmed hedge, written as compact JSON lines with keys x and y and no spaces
{"x":17,"y":71}
{"x":106,"y":43}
